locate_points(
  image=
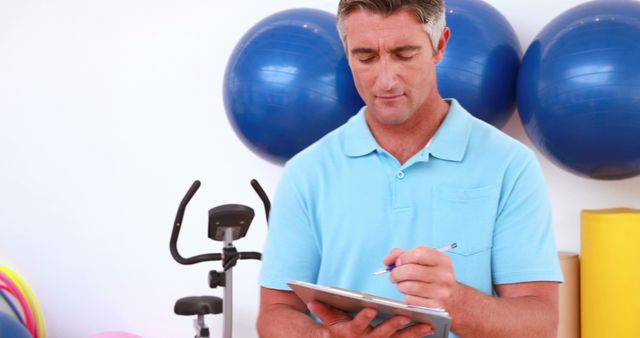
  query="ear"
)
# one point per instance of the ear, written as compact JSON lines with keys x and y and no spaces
{"x":442,"y":44}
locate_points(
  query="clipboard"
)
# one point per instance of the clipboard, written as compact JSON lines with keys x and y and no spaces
{"x":352,"y":302}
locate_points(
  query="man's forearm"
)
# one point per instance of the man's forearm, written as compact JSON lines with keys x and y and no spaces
{"x":478,"y":315}
{"x":286,"y":321}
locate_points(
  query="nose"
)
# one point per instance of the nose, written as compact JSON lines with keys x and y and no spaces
{"x":387,"y":78}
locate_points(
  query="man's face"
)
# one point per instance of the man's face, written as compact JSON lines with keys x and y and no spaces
{"x":393,"y":64}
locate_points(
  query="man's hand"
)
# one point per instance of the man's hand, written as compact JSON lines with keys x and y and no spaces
{"x":341,"y":325}
{"x":424,"y":275}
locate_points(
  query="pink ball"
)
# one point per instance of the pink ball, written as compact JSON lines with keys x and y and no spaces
{"x":115,"y":334}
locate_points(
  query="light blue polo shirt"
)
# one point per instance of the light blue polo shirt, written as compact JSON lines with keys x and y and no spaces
{"x":344,"y":202}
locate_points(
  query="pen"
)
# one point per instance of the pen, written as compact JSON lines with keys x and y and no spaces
{"x":393,"y":266}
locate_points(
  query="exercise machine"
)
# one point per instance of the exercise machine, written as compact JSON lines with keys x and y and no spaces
{"x":227,"y":223}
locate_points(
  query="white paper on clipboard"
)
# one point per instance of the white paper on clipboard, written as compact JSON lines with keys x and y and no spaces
{"x":353,"y":301}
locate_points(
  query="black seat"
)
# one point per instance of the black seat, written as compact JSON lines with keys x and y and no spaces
{"x":189,"y":306}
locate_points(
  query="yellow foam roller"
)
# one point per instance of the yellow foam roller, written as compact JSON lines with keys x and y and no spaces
{"x":610,"y":273}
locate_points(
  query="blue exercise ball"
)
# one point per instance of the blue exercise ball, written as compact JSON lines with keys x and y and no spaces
{"x":12,"y":328}
{"x":579,"y":90}
{"x":288,"y":83}
{"x":480,"y":66}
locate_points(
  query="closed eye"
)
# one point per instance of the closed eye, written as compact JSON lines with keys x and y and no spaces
{"x":405,"y":57}
{"x":364,"y":55}
{"x":406,"y":53}
{"x":366,"y":58}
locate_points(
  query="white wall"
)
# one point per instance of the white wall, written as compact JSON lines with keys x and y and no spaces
{"x":109,"y":110}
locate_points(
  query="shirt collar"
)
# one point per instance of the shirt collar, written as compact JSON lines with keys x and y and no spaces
{"x":449,"y":142}
{"x":358,"y":139}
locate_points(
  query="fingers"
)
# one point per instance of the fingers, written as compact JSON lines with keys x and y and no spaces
{"x":393,"y":256}
{"x":424,"y":256}
{"x":425,"y":265}
{"x":426,"y":278}
{"x":424,"y":274}
{"x":362,"y":320}
{"x":431,"y":291}
{"x":425,"y":294}
{"x":390,"y":326}
{"x":327,"y":314}
{"x":434,"y":291}
{"x":341,"y":324}
{"x":426,"y":302}
{"x":417,"y":330}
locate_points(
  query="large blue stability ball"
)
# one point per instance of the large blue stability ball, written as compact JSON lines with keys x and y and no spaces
{"x":12,"y":328}
{"x":288,"y":83}
{"x":579,"y":90}
{"x":480,"y":66}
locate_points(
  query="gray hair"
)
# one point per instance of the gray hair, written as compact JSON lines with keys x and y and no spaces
{"x":429,"y":12}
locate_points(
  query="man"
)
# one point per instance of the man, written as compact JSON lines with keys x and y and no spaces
{"x":409,"y":173}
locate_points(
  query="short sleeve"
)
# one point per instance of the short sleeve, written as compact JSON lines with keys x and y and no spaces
{"x":524,"y":248}
{"x":292,"y":249}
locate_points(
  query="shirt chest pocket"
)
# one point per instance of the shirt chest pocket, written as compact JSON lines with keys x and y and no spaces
{"x":465,"y":217}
